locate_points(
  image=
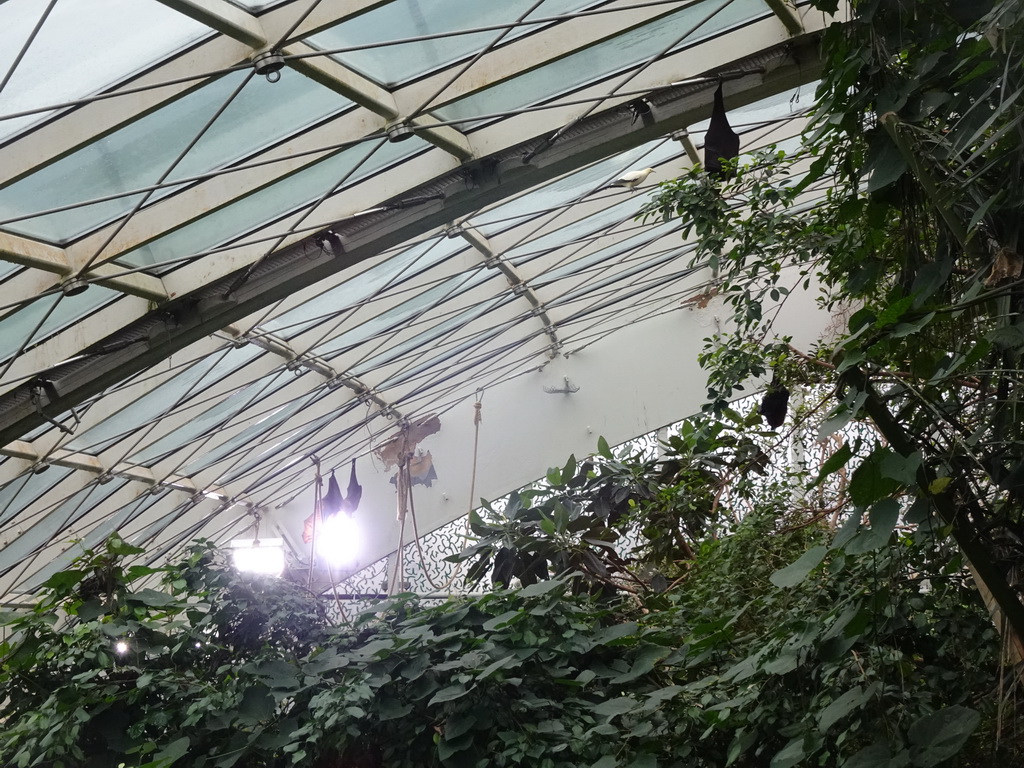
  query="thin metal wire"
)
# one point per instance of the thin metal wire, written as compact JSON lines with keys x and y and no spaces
{"x":632,"y":73}
{"x":28,"y":44}
{"x":174,"y":164}
{"x":468,"y":65}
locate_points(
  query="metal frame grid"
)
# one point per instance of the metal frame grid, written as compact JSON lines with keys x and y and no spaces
{"x":206,"y":278}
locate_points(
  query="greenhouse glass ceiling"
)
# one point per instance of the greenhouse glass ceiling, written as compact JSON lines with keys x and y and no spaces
{"x":242,"y":239}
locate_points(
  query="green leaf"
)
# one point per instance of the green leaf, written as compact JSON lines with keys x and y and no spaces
{"x":118,"y":546}
{"x":169,"y":754}
{"x":886,"y":165}
{"x":790,"y":755}
{"x":835,"y":462}
{"x":498,"y":621}
{"x":389,"y":709}
{"x":458,"y":723}
{"x":901,"y":468}
{"x":605,"y":762}
{"x":894,"y":312}
{"x":883,"y":517}
{"x":612,"y":707}
{"x":741,"y":742}
{"x":796,"y":572}
{"x":938,"y":485}
{"x":941,"y":735}
{"x":540,"y":588}
{"x":153,"y":598}
{"x":867,"y":483}
{"x":855,"y":698}
{"x":257,"y":704}
{"x":647,"y":656}
{"x":603,"y":449}
{"x":875,"y":756}
{"x":450,"y":693}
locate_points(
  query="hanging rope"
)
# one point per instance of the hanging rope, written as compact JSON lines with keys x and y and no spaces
{"x":477,"y":418}
{"x":318,"y":485}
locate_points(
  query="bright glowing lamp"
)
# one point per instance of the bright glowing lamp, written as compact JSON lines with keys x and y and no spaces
{"x":338,"y":541}
{"x":262,"y":556}
{"x":121,"y":647}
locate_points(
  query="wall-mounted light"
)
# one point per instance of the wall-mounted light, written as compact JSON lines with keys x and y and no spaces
{"x":262,"y":556}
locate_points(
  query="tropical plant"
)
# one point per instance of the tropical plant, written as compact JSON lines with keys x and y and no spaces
{"x":905,"y":202}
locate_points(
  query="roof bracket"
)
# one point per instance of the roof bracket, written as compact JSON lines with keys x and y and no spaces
{"x":46,"y":388}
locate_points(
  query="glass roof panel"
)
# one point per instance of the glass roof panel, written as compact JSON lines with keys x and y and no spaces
{"x":621,"y":279}
{"x":151,"y":405}
{"x":402,"y":19}
{"x":282,"y":444}
{"x":91,"y":540}
{"x":594,"y":63}
{"x":363,"y":286}
{"x":139,"y":154}
{"x":649,"y":234}
{"x":201,"y":423}
{"x":83,"y":46}
{"x":574,"y":186}
{"x":54,"y":525}
{"x":444,"y":355}
{"x":425,"y":339}
{"x":15,"y":327}
{"x":250,"y":435}
{"x":406,"y":311}
{"x":571,"y":232}
{"x":273,"y":202}
{"x":25,"y":489}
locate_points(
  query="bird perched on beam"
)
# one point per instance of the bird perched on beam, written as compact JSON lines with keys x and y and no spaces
{"x":632,"y":180}
{"x":721,"y":142}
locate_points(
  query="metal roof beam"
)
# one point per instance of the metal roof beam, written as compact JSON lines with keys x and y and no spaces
{"x":787,"y":14}
{"x":516,"y":282}
{"x":224,"y":17}
{"x":88,"y":463}
{"x":50,"y":258}
{"x":459,"y":192}
{"x":297,"y":360}
{"x":339,"y":78}
{"x":350,"y":84}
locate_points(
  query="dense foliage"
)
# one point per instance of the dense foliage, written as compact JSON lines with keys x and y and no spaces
{"x":749,"y":658}
{"x":701,"y":610}
{"x":906,"y":202}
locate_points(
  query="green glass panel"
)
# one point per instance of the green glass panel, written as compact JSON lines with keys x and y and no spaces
{"x":341,"y":299}
{"x":54,"y":525}
{"x":16,"y":327}
{"x":152,"y":405}
{"x":603,"y":59}
{"x":432,"y":335}
{"x":403,"y":313}
{"x":23,"y":490}
{"x":139,"y":154}
{"x":271,"y":203}
{"x":403,"y":19}
{"x":249,"y":436}
{"x":576,"y":266}
{"x":204,"y":422}
{"x":574,"y":186}
{"x":83,"y":47}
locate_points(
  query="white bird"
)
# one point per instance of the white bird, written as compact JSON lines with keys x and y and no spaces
{"x":633,"y":179}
